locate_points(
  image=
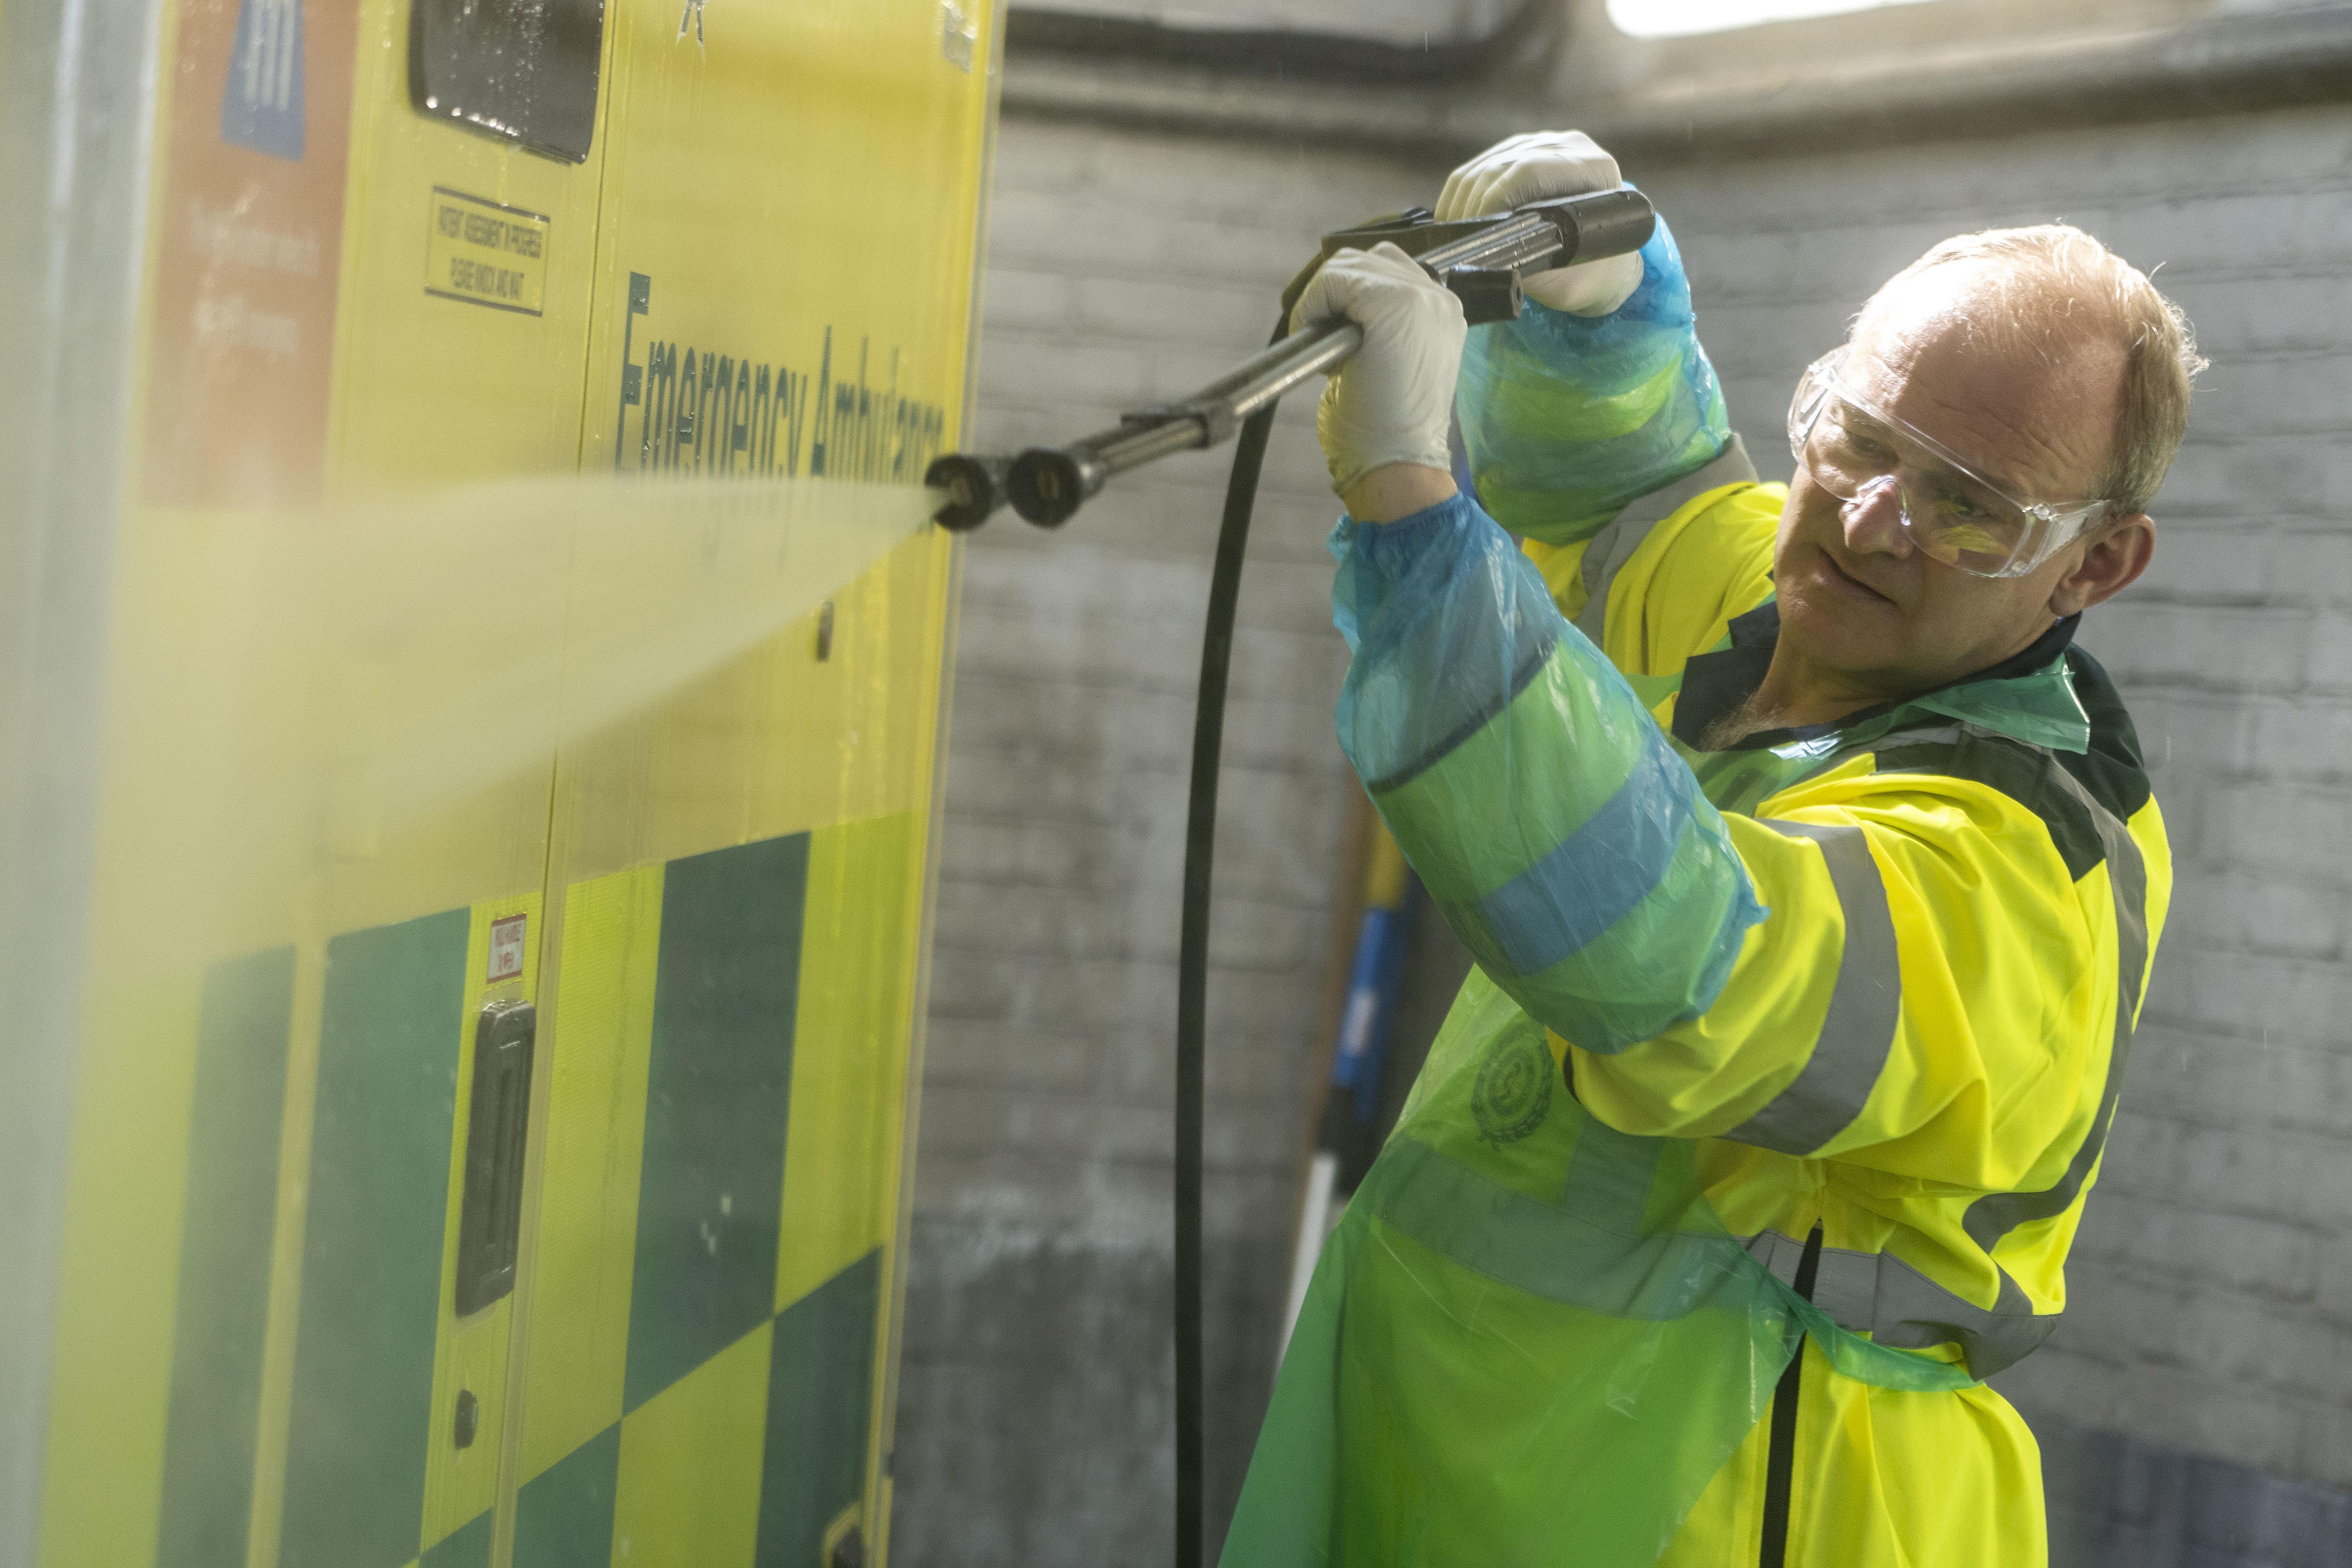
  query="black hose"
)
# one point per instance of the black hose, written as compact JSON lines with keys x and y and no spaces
{"x":1193,"y":968}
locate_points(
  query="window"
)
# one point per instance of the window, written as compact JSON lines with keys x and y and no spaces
{"x":1679,"y":18}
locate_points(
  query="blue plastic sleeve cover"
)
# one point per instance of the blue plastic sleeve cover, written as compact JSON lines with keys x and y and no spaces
{"x":1553,"y":824}
{"x":1565,"y":419}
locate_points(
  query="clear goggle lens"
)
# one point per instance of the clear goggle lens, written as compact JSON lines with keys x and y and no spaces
{"x":1858,"y":452}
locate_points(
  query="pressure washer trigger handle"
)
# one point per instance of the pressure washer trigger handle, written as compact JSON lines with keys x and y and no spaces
{"x":1599,"y":225}
{"x":1488,"y":294}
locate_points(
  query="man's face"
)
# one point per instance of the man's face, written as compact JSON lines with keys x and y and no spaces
{"x":1862,"y":604}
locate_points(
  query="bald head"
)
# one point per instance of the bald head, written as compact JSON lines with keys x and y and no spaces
{"x":2053,"y":298}
{"x":2025,"y":389}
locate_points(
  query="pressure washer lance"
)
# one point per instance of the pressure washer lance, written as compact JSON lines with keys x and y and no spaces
{"x":1482,"y":261}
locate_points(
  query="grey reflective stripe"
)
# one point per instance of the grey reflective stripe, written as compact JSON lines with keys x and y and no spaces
{"x":1915,"y":1312}
{"x":1858,"y":1031}
{"x":1879,"y":1294}
{"x":1781,"y":1254}
{"x":1614,"y":545}
{"x":1993,"y":1217}
{"x":1611,"y":1172}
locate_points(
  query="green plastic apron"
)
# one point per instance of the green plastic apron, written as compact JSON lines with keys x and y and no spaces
{"x":1528,"y":1341}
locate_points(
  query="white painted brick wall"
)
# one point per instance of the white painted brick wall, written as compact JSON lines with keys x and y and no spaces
{"x":1124,"y":269}
{"x":2211,"y":1291}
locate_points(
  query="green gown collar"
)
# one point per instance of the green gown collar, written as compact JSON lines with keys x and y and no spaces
{"x":2029,"y":696}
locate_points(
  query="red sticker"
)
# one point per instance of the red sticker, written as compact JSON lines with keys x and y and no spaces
{"x":506,"y":947}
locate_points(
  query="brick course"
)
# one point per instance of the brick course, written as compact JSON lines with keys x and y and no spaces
{"x":1121,"y":269}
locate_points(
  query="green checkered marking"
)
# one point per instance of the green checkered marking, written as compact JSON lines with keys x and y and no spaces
{"x":709,"y":1201}
{"x":820,"y":1413}
{"x":564,"y":1517}
{"x":222,"y":1309}
{"x":379,"y":1190}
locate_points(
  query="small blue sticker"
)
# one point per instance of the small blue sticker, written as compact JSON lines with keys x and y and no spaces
{"x":261,"y":102}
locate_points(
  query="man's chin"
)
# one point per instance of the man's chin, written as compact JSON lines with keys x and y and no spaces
{"x":1838,"y":637}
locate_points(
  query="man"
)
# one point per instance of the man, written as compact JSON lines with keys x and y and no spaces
{"x":1813,"y":879}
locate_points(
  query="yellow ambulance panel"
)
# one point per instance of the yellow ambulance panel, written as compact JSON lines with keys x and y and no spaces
{"x":524,"y":668}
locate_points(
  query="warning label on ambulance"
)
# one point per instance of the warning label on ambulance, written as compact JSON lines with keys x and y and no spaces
{"x":506,"y":947}
{"x":486,"y":253}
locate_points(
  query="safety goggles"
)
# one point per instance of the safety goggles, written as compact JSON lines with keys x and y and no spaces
{"x":1855,"y":451}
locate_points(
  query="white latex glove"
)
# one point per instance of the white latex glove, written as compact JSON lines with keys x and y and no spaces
{"x":1394,"y":401}
{"x":1535,"y":167}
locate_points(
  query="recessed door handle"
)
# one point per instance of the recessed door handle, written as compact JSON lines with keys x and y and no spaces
{"x":489,"y":1223}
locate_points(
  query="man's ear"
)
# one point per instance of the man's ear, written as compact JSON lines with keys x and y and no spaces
{"x":2110,"y":563}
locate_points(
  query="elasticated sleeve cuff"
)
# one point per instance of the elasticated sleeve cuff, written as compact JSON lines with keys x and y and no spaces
{"x":1566,"y":419}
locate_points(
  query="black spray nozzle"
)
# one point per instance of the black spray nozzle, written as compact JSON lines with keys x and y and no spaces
{"x":1048,"y":483}
{"x":975,"y":487}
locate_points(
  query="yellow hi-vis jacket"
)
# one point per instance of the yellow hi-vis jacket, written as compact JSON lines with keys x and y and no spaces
{"x":1757,"y":1138}
{"x":1919,"y":1053}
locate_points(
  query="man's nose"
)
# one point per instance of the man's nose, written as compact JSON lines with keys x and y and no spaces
{"x":1872,"y":521}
